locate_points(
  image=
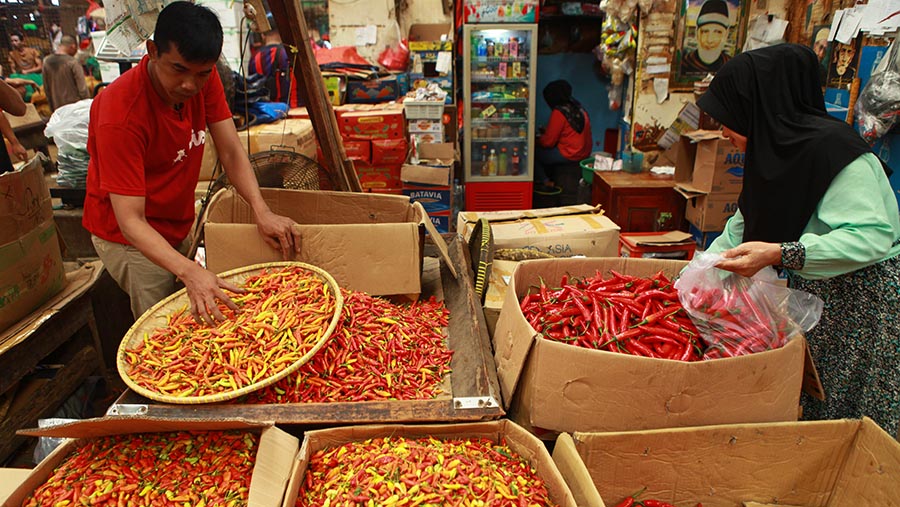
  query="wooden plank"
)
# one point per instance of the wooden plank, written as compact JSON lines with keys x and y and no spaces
{"x":292,"y":27}
{"x":16,"y":362}
{"x":474,"y":374}
{"x":80,"y":361}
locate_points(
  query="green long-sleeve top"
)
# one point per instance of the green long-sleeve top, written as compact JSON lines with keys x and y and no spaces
{"x":854,"y":225}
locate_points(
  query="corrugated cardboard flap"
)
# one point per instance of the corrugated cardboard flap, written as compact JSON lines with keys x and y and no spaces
{"x":697,"y":136}
{"x":512,"y":215}
{"x":689,"y":191}
{"x":575,"y":473}
{"x":26,"y":200}
{"x":667,"y":239}
{"x":871,"y":472}
{"x":424,"y":174}
{"x":436,"y":238}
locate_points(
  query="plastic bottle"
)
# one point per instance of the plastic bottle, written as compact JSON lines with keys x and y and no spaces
{"x":459,"y":199}
{"x":482,"y":46}
{"x":503,"y":163}
{"x":492,"y":163}
{"x":484,"y":160}
{"x":514,"y":166}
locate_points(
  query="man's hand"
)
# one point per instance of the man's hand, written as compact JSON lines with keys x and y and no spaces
{"x":204,"y":289}
{"x":747,"y":259}
{"x":279,"y":232}
{"x":19,"y":150}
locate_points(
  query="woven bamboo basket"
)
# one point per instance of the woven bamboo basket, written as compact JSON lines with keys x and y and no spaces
{"x":156,"y":317}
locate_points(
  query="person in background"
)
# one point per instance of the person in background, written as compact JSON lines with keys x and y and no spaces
{"x":713,"y":23}
{"x":271,"y":60}
{"x":567,"y":137}
{"x":816,"y":202}
{"x":56,"y":35}
{"x":23,"y":59}
{"x":145,"y":140}
{"x":63,"y":76}
{"x":820,"y":48}
{"x":12,"y":103}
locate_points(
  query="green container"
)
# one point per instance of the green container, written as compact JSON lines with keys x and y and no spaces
{"x":587,"y":170}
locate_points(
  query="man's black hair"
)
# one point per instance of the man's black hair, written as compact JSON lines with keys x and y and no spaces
{"x":194,"y":29}
{"x":18,"y":34}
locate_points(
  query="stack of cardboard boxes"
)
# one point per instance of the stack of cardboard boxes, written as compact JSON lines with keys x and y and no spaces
{"x":709,"y":172}
{"x":428,"y":181}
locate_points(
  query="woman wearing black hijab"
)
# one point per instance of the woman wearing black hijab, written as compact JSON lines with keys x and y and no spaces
{"x":567,"y":137}
{"x":817,"y":202}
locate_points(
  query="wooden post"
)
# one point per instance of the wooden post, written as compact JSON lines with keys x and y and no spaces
{"x":292,"y":27}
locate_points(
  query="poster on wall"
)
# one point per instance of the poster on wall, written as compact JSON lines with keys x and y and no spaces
{"x":709,"y":33}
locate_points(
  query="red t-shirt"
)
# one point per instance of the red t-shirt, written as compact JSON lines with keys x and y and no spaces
{"x":140,"y":146}
{"x":571,"y":144}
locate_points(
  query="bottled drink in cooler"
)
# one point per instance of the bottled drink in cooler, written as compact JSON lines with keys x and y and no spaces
{"x":514,"y":166}
{"x":492,"y":163}
{"x":503,"y":163}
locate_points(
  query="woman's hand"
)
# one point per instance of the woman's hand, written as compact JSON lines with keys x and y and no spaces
{"x":204,"y":289}
{"x":279,"y":232}
{"x":747,"y":259}
{"x":19,"y":150}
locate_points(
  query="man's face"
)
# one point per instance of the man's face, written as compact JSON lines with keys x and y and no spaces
{"x":819,"y":48}
{"x":711,"y":36}
{"x":845,"y":54}
{"x":177,"y":79}
{"x":15,"y":41}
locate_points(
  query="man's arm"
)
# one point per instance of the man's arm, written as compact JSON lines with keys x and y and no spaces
{"x":78,"y":77}
{"x":278,"y":231}
{"x":203,"y":287}
{"x":14,"y":144}
{"x":38,"y":62}
{"x":11,"y":100}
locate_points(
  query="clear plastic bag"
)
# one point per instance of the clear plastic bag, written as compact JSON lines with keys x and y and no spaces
{"x":68,"y":126}
{"x":737,"y":315}
{"x":878,"y":106}
{"x":46,"y":445}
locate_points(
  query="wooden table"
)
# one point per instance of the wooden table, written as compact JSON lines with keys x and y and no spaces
{"x":63,"y":341}
{"x":641,"y":202}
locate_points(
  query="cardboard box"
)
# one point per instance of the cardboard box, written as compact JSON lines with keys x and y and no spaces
{"x":518,"y":440}
{"x":31,"y":265}
{"x":430,"y":184}
{"x":710,"y":212}
{"x":816,"y":464}
{"x":657,"y":245}
{"x":561,"y":232}
{"x":294,"y":133}
{"x":712,"y":164}
{"x":367,"y":242}
{"x":440,"y":220}
{"x":501,"y":275}
{"x":429,"y":138}
{"x":389,"y":151}
{"x":559,"y":387}
{"x":431,"y":37}
{"x":703,"y":239}
{"x":372,"y":91}
{"x":334,"y":89}
{"x":272,"y":469}
{"x":378,"y":176}
{"x":372,"y":124}
{"x":360,"y":151}
{"x":425,"y":127}
{"x":500,"y":11}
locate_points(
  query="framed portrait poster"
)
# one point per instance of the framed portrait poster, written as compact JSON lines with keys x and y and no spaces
{"x":708,"y":34}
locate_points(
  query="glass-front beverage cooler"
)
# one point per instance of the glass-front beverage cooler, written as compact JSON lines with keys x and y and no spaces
{"x":498,"y":87}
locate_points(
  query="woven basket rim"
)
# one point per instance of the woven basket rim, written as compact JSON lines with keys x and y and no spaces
{"x":267,"y":381}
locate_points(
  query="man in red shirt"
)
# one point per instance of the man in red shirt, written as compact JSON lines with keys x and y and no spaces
{"x":145,"y":139}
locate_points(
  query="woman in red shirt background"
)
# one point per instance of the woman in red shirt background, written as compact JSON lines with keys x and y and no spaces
{"x":566,"y":138}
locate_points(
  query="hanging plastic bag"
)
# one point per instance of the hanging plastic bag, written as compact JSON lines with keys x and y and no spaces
{"x":68,"y":126}
{"x":395,"y":56}
{"x":878,"y":107}
{"x":737,"y":315}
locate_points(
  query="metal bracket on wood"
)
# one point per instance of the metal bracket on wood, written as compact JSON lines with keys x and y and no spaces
{"x":475,"y":402}
{"x":126,"y":410}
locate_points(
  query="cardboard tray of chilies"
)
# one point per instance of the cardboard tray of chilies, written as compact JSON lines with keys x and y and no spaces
{"x":552,"y":387}
{"x":271,"y":470}
{"x":474,"y":393}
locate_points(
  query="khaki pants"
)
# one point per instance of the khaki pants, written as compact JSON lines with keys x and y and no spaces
{"x":145,"y":282}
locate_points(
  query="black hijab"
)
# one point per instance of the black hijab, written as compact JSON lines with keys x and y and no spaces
{"x":558,"y":95}
{"x":773,"y":96}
